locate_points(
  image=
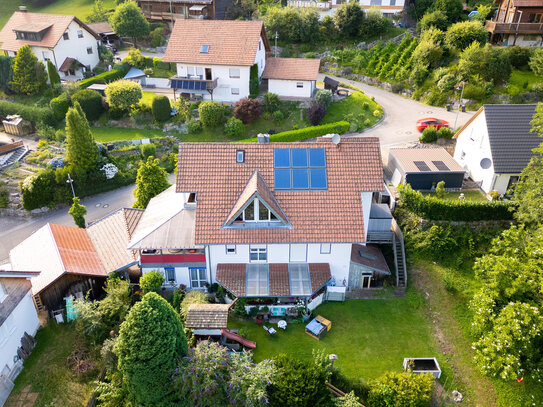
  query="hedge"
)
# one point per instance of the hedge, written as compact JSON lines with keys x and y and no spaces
{"x":307,"y":132}
{"x":90,"y":101}
{"x":103,"y":78}
{"x":432,"y":208}
{"x":31,"y":113}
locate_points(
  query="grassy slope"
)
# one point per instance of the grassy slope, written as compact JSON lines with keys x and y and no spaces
{"x":46,"y":371}
{"x":369,"y":336}
{"x":352,"y":104}
{"x":108,"y":134}
{"x":518,"y":78}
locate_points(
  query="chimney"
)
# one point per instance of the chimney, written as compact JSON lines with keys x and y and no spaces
{"x":22,"y":9}
{"x":191,"y":201}
{"x":263,"y":138}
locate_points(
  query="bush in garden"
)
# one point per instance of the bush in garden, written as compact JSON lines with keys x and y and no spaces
{"x":445,"y":133}
{"x":192,"y":297}
{"x":309,"y":132}
{"x":377,"y":113}
{"x":247,"y":110}
{"x":436,"y":19}
{"x":234,"y":127}
{"x":519,"y":57}
{"x":404,"y":389}
{"x":324,"y":97}
{"x":211,"y":113}
{"x":59,"y":106}
{"x":462,"y":35}
{"x":151,"y":282}
{"x":194,"y":126}
{"x":91,"y":103}
{"x":4,"y":195}
{"x":150,"y":181}
{"x":41,"y":190}
{"x":278,"y":116}
{"x":29,"y":75}
{"x":156,"y":37}
{"x":148,"y":150}
{"x":271,"y":102}
{"x":440,"y":189}
{"x":151,"y":340}
{"x":123,"y":93}
{"x":537,"y":88}
{"x":31,"y":113}
{"x":536,"y":62}
{"x":6,"y":71}
{"x":316,"y":113}
{"x":487,"y":62}
{"x":429,"y":135}
{"x":161,"y":108}
{"x":447,"y":83}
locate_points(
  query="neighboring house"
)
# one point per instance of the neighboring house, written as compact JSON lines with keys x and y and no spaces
{"x":104,"y":31}
{"x":18,"y":319}
{"x":423,"y":168}
{"x":71,"y":46}
{"x":171,"y":11}
{"x":387,"y":7}
{"x":272,"y":219}
{"x":517,"y":22}
{"x":292,"y":77}
{"x":496,"y":144}
{"x":214,"y":58}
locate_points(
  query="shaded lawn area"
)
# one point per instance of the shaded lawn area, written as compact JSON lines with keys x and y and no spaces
{"x":147,"y":99}
{"x":518,"y":78}
{"x":469,"y":194}
{"x":45,"y":370}
{"x":353,"y":104}
{"x":109,"y":134}
{"x":370,"y":337}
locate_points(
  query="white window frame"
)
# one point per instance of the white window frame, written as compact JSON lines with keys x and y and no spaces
{"x":79,"y":33}
{"x":200,"y":282}
{"x":166,"y":280}
{"x":292,"y":248}
{"x":3,"y":293}
{"x":299,"y":84}
{"x":326,"y":248}
{"x":235,"y":91}
{"x":234,"y":73}
{"x":191,"y":71}
{"x":200,"y":71}
{"x":230,"y":249}
{"x":261,"y":254}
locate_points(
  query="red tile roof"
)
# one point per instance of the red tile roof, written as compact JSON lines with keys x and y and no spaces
{"x":373,"y":257}
{"x":333,"y":215}
{"x":230,"y":42}
{"x":279,"y":281}
{"x":295,"y":69}
{"x":320,"y":274}
{"x":67,"y":64}
{"x":37,"y":21}
{"x":232,"y":277}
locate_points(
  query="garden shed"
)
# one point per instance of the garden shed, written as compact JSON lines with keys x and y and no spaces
{"x":423,"y":168}
{"x":207,"y":319}
{"x":15,"y":124}
{"x":292,"y":77}
{"x":330,"y":84}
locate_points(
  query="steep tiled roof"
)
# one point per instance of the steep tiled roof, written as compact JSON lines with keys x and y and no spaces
{"x":510,"y":136}
{"x":407,"y":157}
{"x":19,"y":21}
{"x":296,"y":69}
{"x":332,"y":215}
{"x":207,"y":316}
{"x":110,"y":236}
{"x":230,"y":42}
{"x":232,"y":277}
{"x":256,"y":186}
{"x":67,"y":64}
{"x":279,"y":282}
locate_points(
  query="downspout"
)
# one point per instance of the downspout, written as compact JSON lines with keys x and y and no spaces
{"x":208,"y":261}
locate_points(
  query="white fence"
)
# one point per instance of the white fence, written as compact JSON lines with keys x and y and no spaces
{"x":316,"y":302}
{"x":155,"y":82}
{"x":314,"y":4}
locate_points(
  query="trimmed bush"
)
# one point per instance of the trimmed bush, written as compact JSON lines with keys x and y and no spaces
{"x":445,"y":133}
{"x":247,"y":110}
{"x":307,"y":132}
{"x":148,"y":150}
{"x":211,"y":113}
{"x":152,"y":281}
{"x":122,"y":94}
{"x":324,"y":97}
{"x":234,"y":127}
{"x":432,"y":208}
{"x":59,"y":106}
{"x":316,"y":113}
{"x":90,"y":101}
{"x":194,"y":126}
{"x":161,"y":108}
{"x":271,"y":102}
{"x":104,"y":78}
{"x":429,"y":135}
{"x":278,"y":116}
{"x":31,"y":113}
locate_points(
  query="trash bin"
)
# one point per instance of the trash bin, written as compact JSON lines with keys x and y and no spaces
{"x":449,"y":107}
{"x":463,"y":108}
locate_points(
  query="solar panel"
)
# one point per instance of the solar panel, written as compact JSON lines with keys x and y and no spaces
{"x":300,"y":179}
{"x":421,"y":165}
{"x":281,"y":157}
{"x":316,"y":157}
{"x":300,"y":168}
{"x":441,"y":166}
{"x":299,"y":157}
{"x":282,"y":179}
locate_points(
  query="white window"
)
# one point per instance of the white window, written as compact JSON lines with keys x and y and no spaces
{"x":79,"y":33}
{"x":258,"y":253}
{"x":230,"y":249}
{"x":240,"y":156}
{"x":9,"y":324}
{"x":3,"y":293}
{"x":256,"y":212}
{"x":169,"y":274}
{"x":66,"y":36}
{"x":326,"y":248}
{"x":298,"y":253}
{"x":234,"y":72}
{"x":200,"y":71}
{"x":89,"y":50}
{"x":197,"y":277}
{"x":299,"y":84}
{"x":235,"y":91}
{"x":190,"y":71}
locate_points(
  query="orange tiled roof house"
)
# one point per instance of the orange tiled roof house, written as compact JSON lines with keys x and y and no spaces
{"x":267,"y":219}
{"x":517,"y":22}
{"x":66,"y":41}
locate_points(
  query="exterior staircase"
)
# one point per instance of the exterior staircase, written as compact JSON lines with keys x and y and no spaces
{"x":12,"y":157}
{"x":399,"y":256}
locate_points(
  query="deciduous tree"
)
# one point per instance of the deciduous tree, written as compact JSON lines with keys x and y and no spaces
{"x":123,"y":93}
{"x":348,"y":19}
{"x":536,"y":62}
{"x":129,"y":21}
{"x":462,"y":35}
{"x":81,"y":150}
{"x":150,"y":181}
{"x":28,"y":73}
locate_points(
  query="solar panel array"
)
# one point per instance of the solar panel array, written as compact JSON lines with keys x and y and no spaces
{"x":300,"y":168}
{"x":441,"y":166}
{"x":421,"y":165}
{"x":188,"y":85}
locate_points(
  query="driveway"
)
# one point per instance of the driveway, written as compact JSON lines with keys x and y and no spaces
{"x":398,"y":126}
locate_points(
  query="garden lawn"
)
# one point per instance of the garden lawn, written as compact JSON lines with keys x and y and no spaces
{"x":469,"y":194}
{"x":147,"y":99}
{"x":46,"y":373}
{"x":518,"y":78}
{"x":109,"y":134}
{"x":370,"y":337}
{"x":352,"y":105}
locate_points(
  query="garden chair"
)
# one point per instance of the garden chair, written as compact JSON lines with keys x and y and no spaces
{"x":270,"y":330}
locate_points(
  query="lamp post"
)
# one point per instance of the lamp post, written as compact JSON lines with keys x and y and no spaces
{"x":463,"y":83}
{"x":275,"y":50}
{"x":71,"y":182}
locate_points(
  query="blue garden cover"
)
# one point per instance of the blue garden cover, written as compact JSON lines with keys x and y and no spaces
{"x":315,"y":327}
{"x":134,"y":73}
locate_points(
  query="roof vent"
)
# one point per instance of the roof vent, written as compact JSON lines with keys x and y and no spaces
{"x":240,"y":156}
{"x":22,"y":9}
{"x":204,"y":49}
{"x":191,"y":201}
{"x":263,"y":138}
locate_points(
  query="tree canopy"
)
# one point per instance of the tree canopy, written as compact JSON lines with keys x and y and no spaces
{"x":123,"y":93}
{"x":81,"y":150}
{"x":462,"y":35}
{"x":487,"y":62}
{"x":150,"y":181}
{"x":128,"y":20}
{"x":348,"y":19}
{"x":78,"y":212}
{"x":29,"y":75}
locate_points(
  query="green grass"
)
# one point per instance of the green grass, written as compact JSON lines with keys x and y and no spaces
{"x":109,"y":134}
{"x":45,"y":370}
{"x":353,"y":104}
{"x":519,"y":78}
{"x":147,"y":99}
{"x":469,"y":194}
{"x":370,"y":337}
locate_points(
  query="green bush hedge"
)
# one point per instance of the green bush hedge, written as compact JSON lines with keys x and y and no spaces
{"x":90,"y":101}
{"x":429,"y":207}
{"x":59,"y":106}
{"x":104,"y":78}
{"x":161,"y":108}
{"x":31,"y":113}
{"x":307,"y":132}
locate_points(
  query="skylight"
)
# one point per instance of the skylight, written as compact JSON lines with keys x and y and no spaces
{"x":300,"y":282}
{"x":257,"y":280}
{"x":204,"y":49}
{"x":300,"y":168}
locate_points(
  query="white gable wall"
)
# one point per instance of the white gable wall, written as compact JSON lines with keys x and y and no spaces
{"x":283,"y":87}
{"x":260,"y":57}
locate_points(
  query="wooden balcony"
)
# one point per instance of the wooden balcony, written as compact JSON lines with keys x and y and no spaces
{"x":514,"y":28}
{"x":167,"y":16}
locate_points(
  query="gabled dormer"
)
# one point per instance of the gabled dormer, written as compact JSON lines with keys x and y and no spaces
{"x":32,"y":32}
{"x":256,"y":207}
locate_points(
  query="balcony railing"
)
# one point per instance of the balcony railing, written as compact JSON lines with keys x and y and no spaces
{"x":514,"y":28}
{"x":167,"y":16}
{"x":192,"y":84}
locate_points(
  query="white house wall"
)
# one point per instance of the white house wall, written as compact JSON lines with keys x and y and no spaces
{"x":366,"y":209}
{"x":289,"y":88}
{"x":260,"y":57}
{"x":472,"y":145}
{"x":25,"y":319}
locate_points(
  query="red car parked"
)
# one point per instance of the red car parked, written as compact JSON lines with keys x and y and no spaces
{"x":431,"y":121}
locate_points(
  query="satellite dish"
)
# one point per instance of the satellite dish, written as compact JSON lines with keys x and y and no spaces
{"x":486,"y":163}
{"x":336,"y":138}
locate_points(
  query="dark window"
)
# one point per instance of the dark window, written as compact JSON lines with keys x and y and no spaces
{"x":89,"y":50}
{"x":66,"y":36}
{"x":441,"y":166}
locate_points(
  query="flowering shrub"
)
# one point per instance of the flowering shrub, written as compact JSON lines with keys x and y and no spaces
{"x":110,"y":170}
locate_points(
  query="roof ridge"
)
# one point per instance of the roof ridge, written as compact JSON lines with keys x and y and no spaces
{"x":155,"y":228}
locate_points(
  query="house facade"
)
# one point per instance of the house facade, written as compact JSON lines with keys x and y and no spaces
{"x":214,"y":58}
{"x":64,"y":40}
{"x":264,"y":219}
{"x":387,"y":7}
{"x":18,"y":316}
{"x":171,"y":11}
{"x":496,"y":145}
{"x":517,"y":22}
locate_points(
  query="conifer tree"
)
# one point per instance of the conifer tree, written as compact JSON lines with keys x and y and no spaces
{"x":81,"y":151}
{"x":28,"y":73}
{"x":150,"y":181}
{"x":54,"y":78}
{"x":78,"y":212}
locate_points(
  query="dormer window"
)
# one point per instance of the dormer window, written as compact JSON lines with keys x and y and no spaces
{"x":204,"y":49}
{"x":256,"y":211}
